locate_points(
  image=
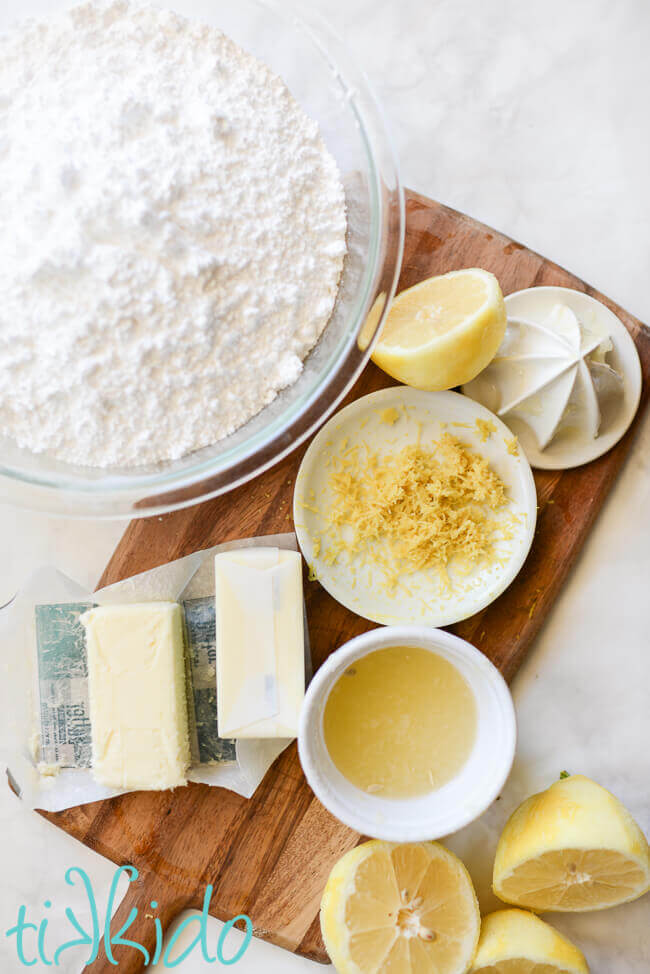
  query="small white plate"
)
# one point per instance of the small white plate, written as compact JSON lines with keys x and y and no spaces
{"x":450,"y":807}
{"x":421,"y":598}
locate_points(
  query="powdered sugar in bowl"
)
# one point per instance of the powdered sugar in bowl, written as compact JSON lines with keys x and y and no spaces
{"x":326,"y":83}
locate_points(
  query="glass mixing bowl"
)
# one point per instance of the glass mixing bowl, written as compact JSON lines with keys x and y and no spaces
{"x":324,"y":77}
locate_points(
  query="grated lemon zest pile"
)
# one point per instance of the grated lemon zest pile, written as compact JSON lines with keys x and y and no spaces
{"x":426,"y":508}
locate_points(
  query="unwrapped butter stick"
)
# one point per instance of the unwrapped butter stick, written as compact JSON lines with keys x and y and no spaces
{"x":260,"y":642}
{"x":137,"y":695}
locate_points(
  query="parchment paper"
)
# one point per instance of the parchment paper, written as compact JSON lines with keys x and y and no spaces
{"x":45,"y":691}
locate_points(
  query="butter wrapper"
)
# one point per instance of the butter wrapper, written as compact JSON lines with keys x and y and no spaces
{"x":45,"y":686}
{"x":260,"y":679}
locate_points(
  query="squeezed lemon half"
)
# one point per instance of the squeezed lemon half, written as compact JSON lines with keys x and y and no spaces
{"x":573,"y":847}
{"x":443,"y":332}
{"x":518,"y":942}
{"x":400,"y":909}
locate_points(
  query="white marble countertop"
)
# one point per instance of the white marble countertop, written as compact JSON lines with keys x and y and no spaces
{"x":532,"y":118}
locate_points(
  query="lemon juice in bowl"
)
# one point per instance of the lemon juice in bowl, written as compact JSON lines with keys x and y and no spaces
{"x":407,"y":733}
{"x":400,"y":722}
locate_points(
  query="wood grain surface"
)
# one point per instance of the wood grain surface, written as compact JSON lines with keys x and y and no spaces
{"x":269,"y":857}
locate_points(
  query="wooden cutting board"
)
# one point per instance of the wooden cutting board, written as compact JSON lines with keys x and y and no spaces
{"x":270,"y":857}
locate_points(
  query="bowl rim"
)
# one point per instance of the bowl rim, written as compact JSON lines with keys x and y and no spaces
{"x":391,"y":829}
{"x":111,"y":492}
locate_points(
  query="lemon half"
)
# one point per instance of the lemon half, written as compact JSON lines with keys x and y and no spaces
{"x":400,"y":909}
{"x":443,"y":332}
{"x":518,"y":942}
{"x":573,"y":847}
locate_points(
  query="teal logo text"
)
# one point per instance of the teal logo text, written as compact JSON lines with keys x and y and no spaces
{"x":33,"y":944}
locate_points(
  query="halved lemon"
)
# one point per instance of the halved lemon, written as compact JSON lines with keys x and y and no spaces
{"x":518,"y":942}
{"x":573,"y":847}
{"x":444,"y":331}
{"x":400,"y":909}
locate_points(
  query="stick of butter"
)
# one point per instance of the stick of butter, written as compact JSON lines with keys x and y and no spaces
{"x":137,"y":695}
{"x":260,"y":642}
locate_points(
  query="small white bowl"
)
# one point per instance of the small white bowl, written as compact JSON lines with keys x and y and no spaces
{"x":439,"y":812}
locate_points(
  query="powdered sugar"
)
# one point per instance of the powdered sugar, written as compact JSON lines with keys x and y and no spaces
{"x":171,"y":239}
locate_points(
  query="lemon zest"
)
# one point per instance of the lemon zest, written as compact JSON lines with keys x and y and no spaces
{"x":485,"y":428}
{"x":512,"y":446}
{"x":417,"y":510}
{"x":389,"y":415}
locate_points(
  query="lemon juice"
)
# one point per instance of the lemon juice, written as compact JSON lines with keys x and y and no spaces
{"x":400,"y":722}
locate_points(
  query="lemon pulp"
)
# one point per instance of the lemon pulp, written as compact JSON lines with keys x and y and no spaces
{"x":400,"y":722}
{"x":443,"y":331}
{"x":573,"y":847}
{"x":416,"y":322}
{"x":400,"y":909}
